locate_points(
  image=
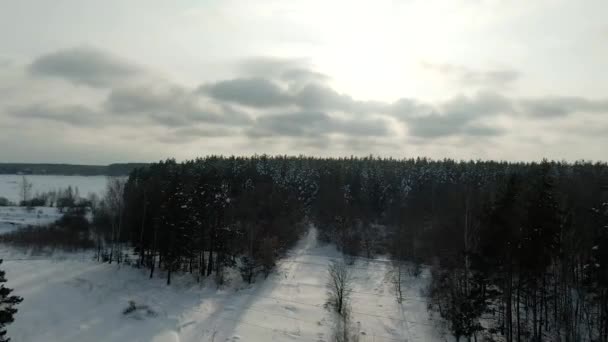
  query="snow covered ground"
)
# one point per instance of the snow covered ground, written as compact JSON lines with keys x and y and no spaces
{"x":12,"y":218}
{"x":9,"y":184}
{"x":72,"y":298}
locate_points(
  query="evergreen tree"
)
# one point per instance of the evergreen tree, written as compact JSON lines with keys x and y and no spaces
{"x":7,"y":306}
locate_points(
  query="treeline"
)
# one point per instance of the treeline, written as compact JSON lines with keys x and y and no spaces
{"x":523,"y":254}
{"x":519,"y":250}
{"x":202,"y":216}
{"x":62,"y":199}
{"x":118,"y":169}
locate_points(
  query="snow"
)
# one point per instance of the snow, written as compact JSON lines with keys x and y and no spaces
{"x":12,"y":218}
{"x":9,"y":184}
{"x":70,"y":297}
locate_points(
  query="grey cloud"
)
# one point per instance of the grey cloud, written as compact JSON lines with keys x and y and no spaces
{"x":207,"y":132}
{"x":263,"y":93}
{"x":482,"y":131}
{"x":456,"y":116}
{"x":315,"y":96}
{"x":559,"y":106}
{"x":172,"y":107}
{"x":286,"y":69}
{"x":302,"y":75}
{"x":189,"y":134}
{"x":435,"y":125}
{"x":292,"y":124}
{"x":468,"y":76}
{"x":313,"y":124}
{"x":403,"y":109}
{"x":482,"y":104}
{"x":77,"y":115}
{"x":84,"y":65}
{"x":253,"y":92}
{"x":362,"y":127}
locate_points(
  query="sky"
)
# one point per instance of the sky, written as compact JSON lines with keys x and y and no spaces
{"x":98,"y":82}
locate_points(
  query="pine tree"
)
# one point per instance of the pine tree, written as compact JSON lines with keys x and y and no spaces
{"x":7,"y":306}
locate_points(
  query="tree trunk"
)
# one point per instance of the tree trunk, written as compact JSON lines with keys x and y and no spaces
{"x":518,"y":309}
{"x":152,"y":264}
{"x":210,"y":262}
{"x":141,"y":232}
{"x":509,"y":310}
{"x":113,"y":242}
{"x":169,"y":273}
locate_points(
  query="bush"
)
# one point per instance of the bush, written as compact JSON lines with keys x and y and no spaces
{"x":34,"y":202}
{"x":4,"y":202}
{"x":40,"y":237}
{"x":138,"y":311}
{"x":70,"y":232}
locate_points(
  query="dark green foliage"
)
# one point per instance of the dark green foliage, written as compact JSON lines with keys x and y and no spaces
{"x":7,"y":306}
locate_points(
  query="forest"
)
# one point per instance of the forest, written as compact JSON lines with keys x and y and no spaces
{"x":117,"y":169}
{"x":517,"y":251}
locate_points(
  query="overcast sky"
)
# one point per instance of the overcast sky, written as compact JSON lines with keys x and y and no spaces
{"x":142,"y":80}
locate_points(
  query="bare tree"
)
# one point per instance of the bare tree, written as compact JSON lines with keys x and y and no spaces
{"x":114,"y":199}
{"x":398,"y":279}
{"x":25,"y":189}
{"x":339,"y":285}
{"x":344,"y":330}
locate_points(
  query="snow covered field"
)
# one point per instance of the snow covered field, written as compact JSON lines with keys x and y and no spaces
{"x":12,"y":218}
{"x":73,"y":298}
{"x":9,"y":184}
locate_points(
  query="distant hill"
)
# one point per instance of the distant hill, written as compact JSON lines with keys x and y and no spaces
{"x":120,"y":169}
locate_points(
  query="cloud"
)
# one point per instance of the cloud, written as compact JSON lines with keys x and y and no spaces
{"x":190,"y":134}
{"x":482,"y":131}
{"x":457,"y":116}
{"x":77,"y":115}
{"x":314,"y":124}
{"x":296,"y":70}
{"x":252,"y":92}
{"x":169,"y":106}
{"x":472,"y":77}
{"x":263,"y":93}
{"x":302,"y":75}
{"x":560,"y":106}
{"x":5,"y":62}
{"x":206,"y":132}
{"x":85,"y":66}
{"x":315,"y":96}
{"x":404,"y":109}
{"x":291,"y":105}
{"x":481,"y":104}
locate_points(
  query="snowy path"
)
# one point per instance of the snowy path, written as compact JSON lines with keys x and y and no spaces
{"x":72,"y":300}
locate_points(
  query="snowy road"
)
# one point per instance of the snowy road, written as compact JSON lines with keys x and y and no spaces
{"x":81,"y":300}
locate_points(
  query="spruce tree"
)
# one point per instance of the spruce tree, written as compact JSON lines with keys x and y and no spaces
{"x":7,"y":306}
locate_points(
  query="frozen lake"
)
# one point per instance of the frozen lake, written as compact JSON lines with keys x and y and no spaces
{"x":9,"y":184}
